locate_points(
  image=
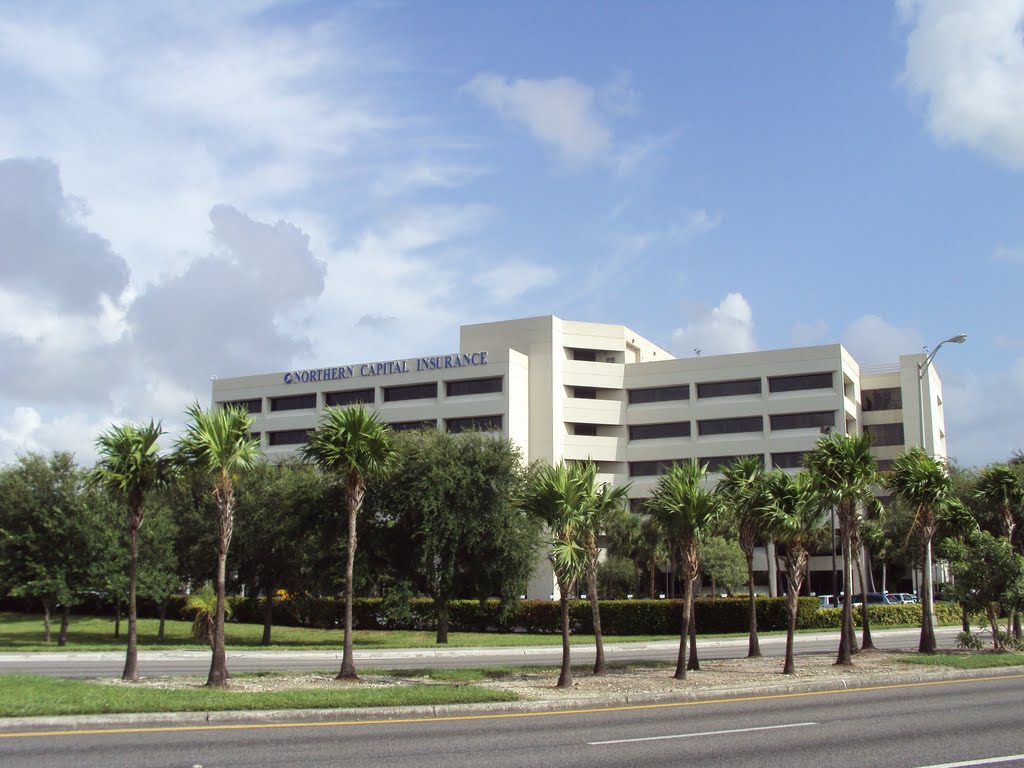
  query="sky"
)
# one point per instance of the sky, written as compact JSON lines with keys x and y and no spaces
{"x":195,"y":189}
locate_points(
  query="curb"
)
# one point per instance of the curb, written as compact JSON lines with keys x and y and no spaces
{"x":242,"y":718}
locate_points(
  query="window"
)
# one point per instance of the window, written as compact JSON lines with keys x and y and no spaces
{"x":885,"y":434}
{"x":473,"y":387}
{"x":657,"y":431}
{"x":788,"y":460}
{"x":729,"y":388}
{"x":886,"y":399}
{"x":405,"y":426}
{"x":410,"y":392}
{"x":249,"y":406}
{"x":288,"y":437}
{"x":811,"y":420}
{"x":254,"y":435}
{"x":730,"y":426}
{"x":659,"y":394}
{"x":475,"y":423}
{"x":800,"y":382}
{"x":351,"y":397}
{"x":589,"y":355}
{"x":293,"y":402}
{"x":647,"y":468}
{"x":587,"y":430}
{"x":584,"y":393}
{"x":718,"y":463}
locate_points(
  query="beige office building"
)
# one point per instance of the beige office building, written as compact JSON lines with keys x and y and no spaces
{"x":576,"y":391}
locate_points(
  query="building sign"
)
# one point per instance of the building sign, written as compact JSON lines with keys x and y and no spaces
{"x":387,"y":367}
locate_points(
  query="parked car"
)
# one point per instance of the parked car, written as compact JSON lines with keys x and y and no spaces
{"x":876,"y":598}
{"x":827,"y":601}
{"x":903,"y":597}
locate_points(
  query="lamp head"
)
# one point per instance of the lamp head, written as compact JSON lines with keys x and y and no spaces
{"x":960,"y":338}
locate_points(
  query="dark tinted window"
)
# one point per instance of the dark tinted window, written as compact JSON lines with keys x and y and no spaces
{"x":886,"y":399}
{"x":589,"y":355}
{"x":476,"y":423}
{"x":659,"y":394}
{"x":293,"y":402}
{"x":645,"y":468}
{"x":587,"y":430}
{"x":351,"y":397}
{"x":885,"y":434}
{"x":729,"y":388}
{"x":803,"y":420}
{"x":788,"y":460}
{"x":730,"y":426}
{"x":254,"y":435}
{"x":288,"y":437}
{"x":473,"y":386}
{"x":800,"y":382}
{"x":410,"y":392}
{"x":404,"y":426}
{"x":656,"y":431}
{"x":584,"y":393}
{"x":249,"y":406}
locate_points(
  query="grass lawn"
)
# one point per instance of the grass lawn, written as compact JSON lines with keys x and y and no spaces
{"x":35,"y":696}
{"x":967,"y":659}
{"x":24,"y":632}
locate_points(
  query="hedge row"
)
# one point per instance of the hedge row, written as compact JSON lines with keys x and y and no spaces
{"x":888,"y":615}
{"x":618,"y":617}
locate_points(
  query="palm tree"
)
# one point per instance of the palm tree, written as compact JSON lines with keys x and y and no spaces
{"x":924,"y":484}
{"x":794,"y":513}
{"x":560,"y":495}
{"x":845,"y":471}
{"x":602,"y":506}
{"x":742,"y":488}
{"x":687,"y":513}
{"x":1000,"y":488}
{"x":129,"y":467}
{"x":217,"y":443}
{"x":354,"y":443}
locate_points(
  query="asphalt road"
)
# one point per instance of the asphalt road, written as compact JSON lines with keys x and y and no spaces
{"x":161,"y":663}
{"x":947,"y":724}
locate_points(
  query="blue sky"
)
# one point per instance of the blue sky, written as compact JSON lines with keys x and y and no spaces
{"x":197,"y":189}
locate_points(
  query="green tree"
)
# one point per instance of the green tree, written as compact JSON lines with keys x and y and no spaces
{"x":129,"y":467}
{"x":723,"y":562}
{"x":351,"y":442}
{"x":558,"y":496}
{"x":845,"y":473}
{"x":741,"y":487}
{"x":218,"y":444}
{"x":924,"y":484}
{"x":1001,"y":489}
{"x":794,"y":513}
{"x":51,"y":534}
{"x":688,"y":513}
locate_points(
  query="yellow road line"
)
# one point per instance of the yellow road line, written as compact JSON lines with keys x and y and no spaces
{"x":498,"y":715}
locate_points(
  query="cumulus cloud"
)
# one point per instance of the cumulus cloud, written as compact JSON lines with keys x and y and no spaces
{"x":966,"y":59}
{"x":507,"y":282}
{"x":721,"y":330}
{"x":560,"y":112}
{"x":871,"y":339}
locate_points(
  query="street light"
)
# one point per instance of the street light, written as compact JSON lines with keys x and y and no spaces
{"x":922,"y":369}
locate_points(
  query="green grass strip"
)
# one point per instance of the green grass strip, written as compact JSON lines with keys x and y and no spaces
{"x":35,"y":696}
{"x":967,"y":660}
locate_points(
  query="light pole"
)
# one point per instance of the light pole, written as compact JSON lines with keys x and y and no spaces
{"x":922,"y":369}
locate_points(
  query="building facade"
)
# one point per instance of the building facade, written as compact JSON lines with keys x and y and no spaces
{"x":575,"y":391}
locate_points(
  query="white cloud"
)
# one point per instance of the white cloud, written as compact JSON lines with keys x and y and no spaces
{"x":807,"y":334}
{"x":696,"y":222}
{"x":559,"y":112}
{"x":507,"y":282}
{"x":871,"y":340}
{"x":721,"y":330}
{"x":1013,"y":256}
{"x":967,"y":59}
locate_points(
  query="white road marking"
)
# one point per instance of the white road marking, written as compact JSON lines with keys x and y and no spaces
{"x":980,"y":761}
{"x":708,"y":733}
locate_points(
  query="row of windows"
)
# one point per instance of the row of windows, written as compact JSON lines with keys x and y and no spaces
{"x":307,"y":401}
{"x":475,"y":423}
{"x":783,"y":460}
{"x":707,"y":389}
{"x":730,"y":426}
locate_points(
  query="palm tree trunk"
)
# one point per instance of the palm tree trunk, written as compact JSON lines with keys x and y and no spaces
{"x":650,"y":583}
{"x":753,"y":645}
{"x":46,"y":620}
{"x":565,"y":675}
{"x":994,"y":626}
{"x":684,"y":634}
{"x":219,"y":660}
{"x":268,"y":613}
{"x":131,"y":662}
{"x":65,"y":620}
{"x":927,"y":644}
{"x":442,"y":621}
{"x":865,"y":619}
{"x":163,"y":621}
{"x":792,"y":596}
{"x":693,"y":663}
{"x":353,"y":497}
{"x":845,"y":656}
{"x":117,"y":619}
{"x":595,"y":612}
